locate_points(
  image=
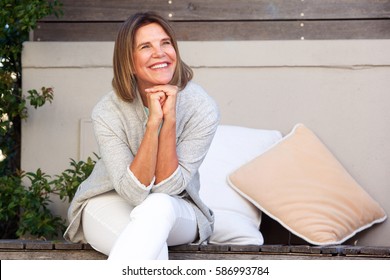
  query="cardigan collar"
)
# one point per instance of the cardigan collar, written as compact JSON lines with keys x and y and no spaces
{"x":140,"y":108}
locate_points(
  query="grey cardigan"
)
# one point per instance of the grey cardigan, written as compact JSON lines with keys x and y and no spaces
{"x":119,"y":127}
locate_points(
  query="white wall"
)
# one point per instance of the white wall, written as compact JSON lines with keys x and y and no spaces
{"x":339,"y":89}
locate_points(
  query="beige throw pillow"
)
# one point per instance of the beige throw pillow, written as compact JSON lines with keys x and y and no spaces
{"x":300,"y":184}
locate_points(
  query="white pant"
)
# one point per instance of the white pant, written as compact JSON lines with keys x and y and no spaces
{"x":113,"y":227}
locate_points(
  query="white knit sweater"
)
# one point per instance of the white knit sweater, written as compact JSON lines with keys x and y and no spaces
{"x":119,"y":128}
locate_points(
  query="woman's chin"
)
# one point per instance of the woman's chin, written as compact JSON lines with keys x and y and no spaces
{"x":163,"y":82}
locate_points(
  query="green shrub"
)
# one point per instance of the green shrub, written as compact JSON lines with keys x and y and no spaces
{"x":26,"y":198}
{"x":11,"y":194}
{"x":17,"y":19}
{"x":21,"y":207}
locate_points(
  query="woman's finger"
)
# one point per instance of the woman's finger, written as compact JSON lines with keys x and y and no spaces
{"x":167,"y":89}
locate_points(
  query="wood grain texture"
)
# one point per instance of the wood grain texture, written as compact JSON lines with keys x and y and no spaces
{"x":62,"y":250}
{"x":198,"y":20}
{"x":216,"y":10}
{"x":226,"y":31}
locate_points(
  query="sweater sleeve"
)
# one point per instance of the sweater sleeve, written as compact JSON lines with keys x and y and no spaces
{"x":198,"y":128}
{"x":117,"y":156}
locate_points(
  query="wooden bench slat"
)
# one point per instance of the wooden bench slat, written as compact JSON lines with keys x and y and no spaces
{"x":62,"y":250}
{"x":333,"y":250}
{"x":185,"y":248}
{"x":275,"y":249}
{"x":382,"y":251}
{"x":68,"y":246}
{"x":244,"y":248}
{"x":43,"y":245}
{"x":11,"y":244}
{"x":214,"y":248}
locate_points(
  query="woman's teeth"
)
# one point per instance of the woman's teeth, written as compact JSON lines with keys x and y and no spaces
{"x":162,"y":65}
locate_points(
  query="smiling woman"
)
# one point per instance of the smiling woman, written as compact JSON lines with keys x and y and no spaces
{"x":153,"y":132}
{"x":154,"y":57}
{"x":134,"y":41}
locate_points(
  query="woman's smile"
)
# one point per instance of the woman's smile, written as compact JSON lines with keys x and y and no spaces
{"x":159,"y":65}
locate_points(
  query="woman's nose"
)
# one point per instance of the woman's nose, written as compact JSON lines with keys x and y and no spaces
{"x":158,"y":52}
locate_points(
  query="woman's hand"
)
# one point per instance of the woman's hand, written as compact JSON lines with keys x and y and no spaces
{"x":156,"y":100}
{"x":167,"y":99}
{"x":167,"y":161}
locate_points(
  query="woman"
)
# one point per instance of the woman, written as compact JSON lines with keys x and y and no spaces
{"x":153,"y":132}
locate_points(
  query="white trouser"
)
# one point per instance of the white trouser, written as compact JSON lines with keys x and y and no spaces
{"x":113,"y":227}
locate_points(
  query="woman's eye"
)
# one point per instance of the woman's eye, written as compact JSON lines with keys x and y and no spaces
{"x":167,"y":42}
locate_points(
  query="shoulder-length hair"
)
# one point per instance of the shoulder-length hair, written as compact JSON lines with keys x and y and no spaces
{"x":124,"y":81}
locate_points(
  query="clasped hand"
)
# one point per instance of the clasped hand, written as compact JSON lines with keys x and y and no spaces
{"x":162,"y":102}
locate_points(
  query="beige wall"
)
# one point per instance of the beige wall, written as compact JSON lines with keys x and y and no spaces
{"x":339,"y":89}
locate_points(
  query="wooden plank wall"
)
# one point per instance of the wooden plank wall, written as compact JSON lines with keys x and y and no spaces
{"x":98,"y":20}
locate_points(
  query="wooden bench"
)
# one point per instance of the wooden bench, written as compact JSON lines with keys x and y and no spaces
{"x":62,"y":250}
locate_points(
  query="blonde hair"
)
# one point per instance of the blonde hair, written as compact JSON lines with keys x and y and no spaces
{"x":124,"y":81}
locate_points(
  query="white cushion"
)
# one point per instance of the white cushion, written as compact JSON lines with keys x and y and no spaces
{"x":237,"y":220}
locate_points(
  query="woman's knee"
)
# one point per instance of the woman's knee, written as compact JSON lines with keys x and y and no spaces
{"x":155,"y":206}
{"x":104,"y":217}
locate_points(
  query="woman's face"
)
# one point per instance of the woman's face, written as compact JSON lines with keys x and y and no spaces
{"x":154,"y":56}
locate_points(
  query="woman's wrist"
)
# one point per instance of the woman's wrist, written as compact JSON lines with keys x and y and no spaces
{"x":153,"y":124}
{"x":170,"y":118}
